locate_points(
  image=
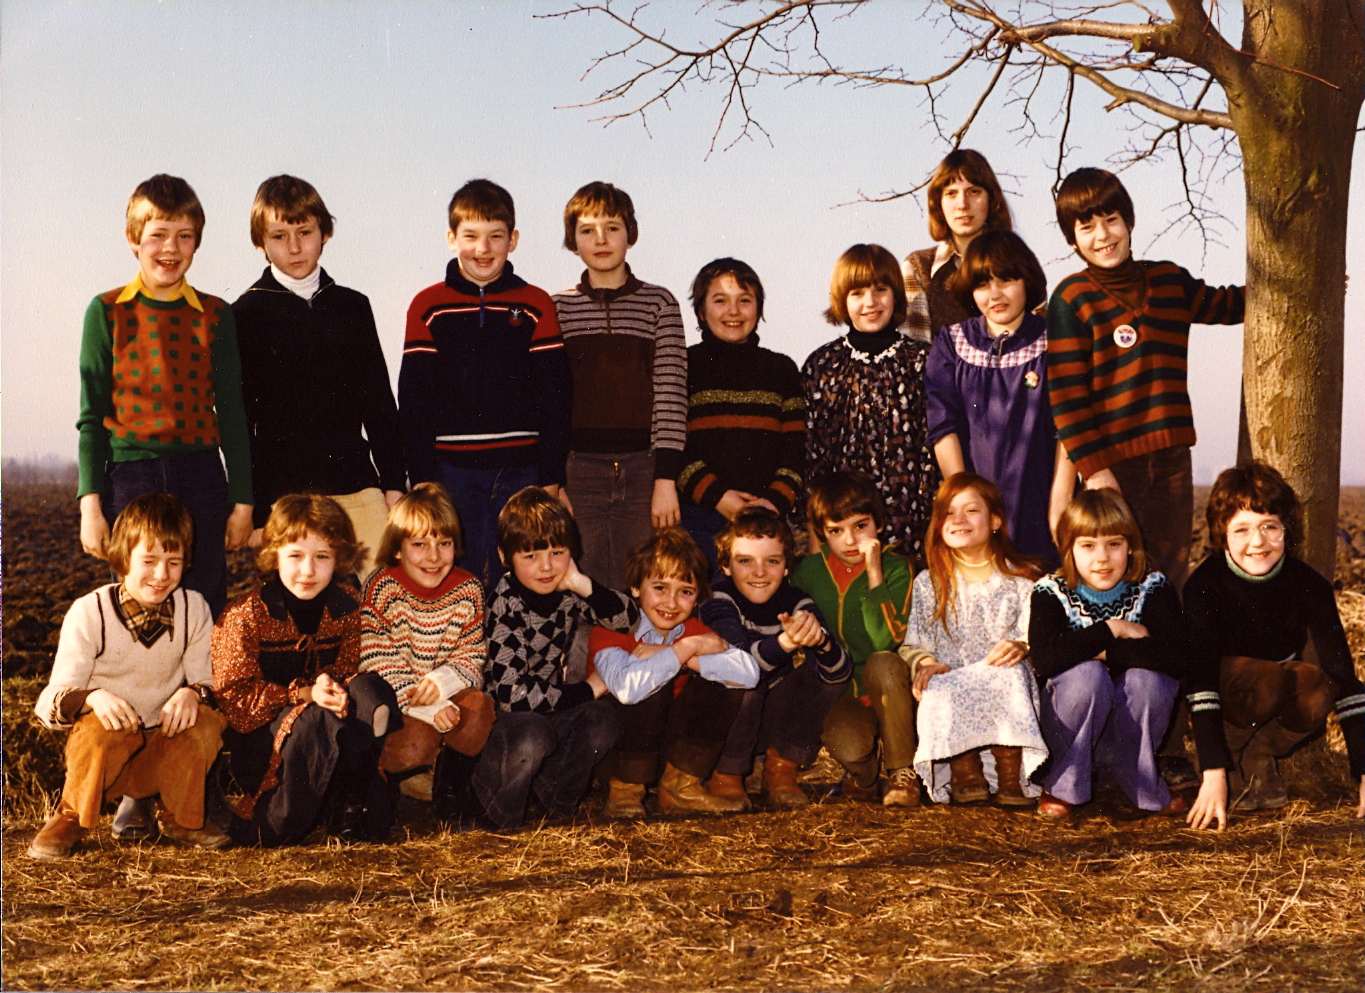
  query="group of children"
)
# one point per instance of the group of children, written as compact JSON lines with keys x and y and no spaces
{"x":565,"y":450}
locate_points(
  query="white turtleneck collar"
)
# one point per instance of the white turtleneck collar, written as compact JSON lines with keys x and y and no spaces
{"x":304,"y":287}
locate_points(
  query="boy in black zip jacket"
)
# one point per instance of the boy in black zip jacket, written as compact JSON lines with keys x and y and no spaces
{"x":313,"y":374}
{"x":485,"y":392}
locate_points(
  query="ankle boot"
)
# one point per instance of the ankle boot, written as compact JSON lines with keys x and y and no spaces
{"x":452,"y":799}
{"x":968,"y":780}
{"x":135,"y":820}
{"x":58,"y":836}
{"x":779,"y":782}
{"x":680,"y":790}
{"x":625,"y":801}
{"x":1273,"y":741}
{"x":730,"y":787}
{"x":1009,"y":761}
{"x":1237,"y":739}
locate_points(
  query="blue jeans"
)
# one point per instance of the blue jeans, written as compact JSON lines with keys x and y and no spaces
{"x":550,"y":754}
{"x":479,"y":496}
{"x":197,"y":480}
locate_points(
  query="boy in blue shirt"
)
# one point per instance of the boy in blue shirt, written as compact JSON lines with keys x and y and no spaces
{"x":484,"y":393}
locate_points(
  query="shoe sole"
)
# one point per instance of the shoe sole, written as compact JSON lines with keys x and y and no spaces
{"x":42,"y":856}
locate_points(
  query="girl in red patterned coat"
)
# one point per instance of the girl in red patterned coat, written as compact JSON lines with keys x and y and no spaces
{"x":422,"y":629}
{"x":305,"y":731}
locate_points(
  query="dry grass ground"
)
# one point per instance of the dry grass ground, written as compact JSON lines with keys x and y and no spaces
{"x":837,"y":896}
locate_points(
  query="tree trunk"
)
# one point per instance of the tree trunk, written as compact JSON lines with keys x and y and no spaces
{"x":1297,"y":135}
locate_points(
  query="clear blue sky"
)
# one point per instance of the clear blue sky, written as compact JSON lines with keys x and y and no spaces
{"x":387,"y":107}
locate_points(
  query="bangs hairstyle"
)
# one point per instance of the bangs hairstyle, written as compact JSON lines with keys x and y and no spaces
{"x":427,"y":509}
{"x":482,"y":200}
{"x":743,"y":274}
{"x":837,"y":496}
{"x":291,"y":200}
{"x":298,"y":514}
{"x":671,"y":554}
{"x":942,"y":570}
{"x":531,"y":520}
{"x":163,"y":198}
{"x":755,"y":522}
{"x":968,"y":165}
{"x":999,"y":255}
{"x":1090,"y":514}
{"x":158,"y":519}
{"x":861,"y":266}
{"x":1088,"y":193}
{"x":599,"y":200}
{"x":1257,"y":487}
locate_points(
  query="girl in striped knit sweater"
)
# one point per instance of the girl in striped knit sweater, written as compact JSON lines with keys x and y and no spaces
{"x":422,"y":630}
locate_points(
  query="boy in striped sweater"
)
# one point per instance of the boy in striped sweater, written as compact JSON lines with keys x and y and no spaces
{"x":484,"y":390}
{"x":626,"y":349}
{"x":1117,"y":340}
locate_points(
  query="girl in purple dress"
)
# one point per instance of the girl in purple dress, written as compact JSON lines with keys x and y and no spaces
{"x":986,"y":380}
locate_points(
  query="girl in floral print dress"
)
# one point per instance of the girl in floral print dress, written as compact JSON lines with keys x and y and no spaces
{"x":965,"y":643}
{"x":864,"y":392}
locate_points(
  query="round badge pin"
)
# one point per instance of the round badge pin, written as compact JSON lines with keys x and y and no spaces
{"x":1125,"y":336}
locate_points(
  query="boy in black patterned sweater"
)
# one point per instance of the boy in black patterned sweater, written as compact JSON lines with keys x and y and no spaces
{"x":549,"y":735}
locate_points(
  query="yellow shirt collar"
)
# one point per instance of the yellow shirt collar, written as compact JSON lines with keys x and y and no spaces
{"x":136,"y":287}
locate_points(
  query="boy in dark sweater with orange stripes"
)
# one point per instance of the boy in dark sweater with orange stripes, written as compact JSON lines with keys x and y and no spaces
{"x":1117,"y":346}
{"x":485,"y":392}
{"x":1117,"y":343}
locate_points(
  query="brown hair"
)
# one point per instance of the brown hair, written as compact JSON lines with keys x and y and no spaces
{"x":427,"y":509}
{"x":837,"y":496}
{"x":859,"y":267}
{"x":157,"y":518}
{"x":998,"y":255}
{"x":970,"y":165}
{"x":673,"y":554}
{"x":298,"y":514}
{"x":291,"y":200}
{"x":743,"y":274}
{"x":482,"y":200}
{"x":532,"y":519}
{"x":1090,"y":514}
{"x":755,"y":522}
{"x":939,"y":556}
{"x":599,"y":200}
{"x":1257,"y":487}
{"x":1088,"y":193}
{"x":166,"y":198}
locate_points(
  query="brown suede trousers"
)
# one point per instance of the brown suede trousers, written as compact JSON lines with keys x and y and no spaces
{"x":418,"y":743}
{"x":105,"y":765}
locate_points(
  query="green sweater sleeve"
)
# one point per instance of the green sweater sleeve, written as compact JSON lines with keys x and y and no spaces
{"x":97,"y":403}
{"x":886,"y":608}
{"x":227,"y":401}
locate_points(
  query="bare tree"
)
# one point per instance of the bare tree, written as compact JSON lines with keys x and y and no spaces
{"x":1289,"y":93}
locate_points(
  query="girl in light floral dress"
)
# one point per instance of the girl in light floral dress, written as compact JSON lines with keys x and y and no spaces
{"x":965,"y":643}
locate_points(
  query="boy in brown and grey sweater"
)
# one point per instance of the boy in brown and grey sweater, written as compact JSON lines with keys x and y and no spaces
{"x":629,"y":359}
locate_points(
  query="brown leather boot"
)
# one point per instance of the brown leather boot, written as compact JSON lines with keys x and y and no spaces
{"x":968,"y":780}
{"x":779,"y":782}
{"x":1272,"y":741}
{"x":730,"y":787}
{"x":1009,"y":762}
{"x":902,"y":788}
{"x":209,"y":836}
{"x":680,"y":790}
{"x":625,"y":801}
{"x":58,"y":836}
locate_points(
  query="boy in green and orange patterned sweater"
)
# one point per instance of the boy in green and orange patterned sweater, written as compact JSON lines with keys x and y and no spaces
{"x":161,"y":393}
